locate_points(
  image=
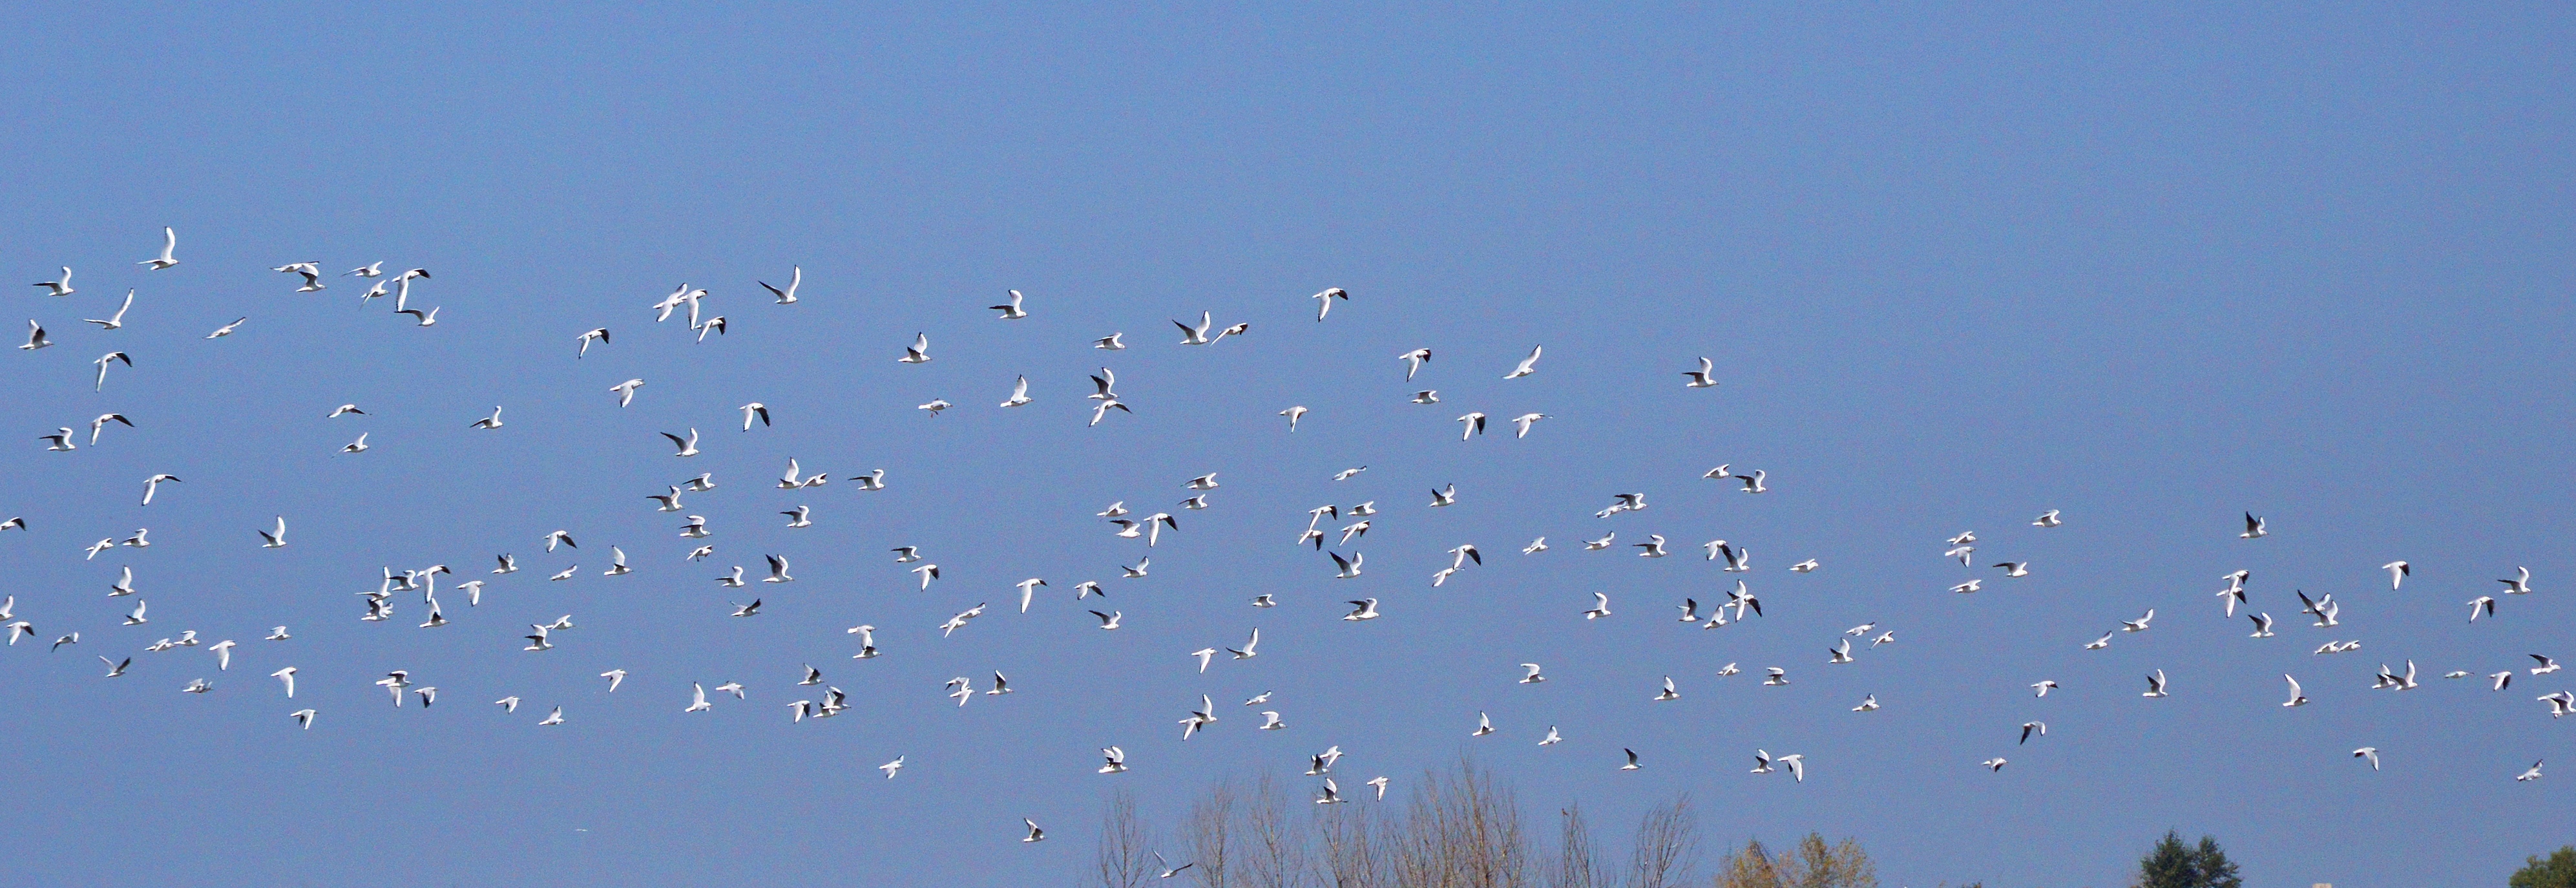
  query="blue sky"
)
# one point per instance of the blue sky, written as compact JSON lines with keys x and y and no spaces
{"x":2150,"y":265}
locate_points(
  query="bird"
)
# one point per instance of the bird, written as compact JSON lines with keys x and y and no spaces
{"x":1841,"y":653}
{"x":2368,"y":752}
{"x":2139,"y":624}
{"x":625,"y":391}
{"x":1993,"y":764}
{"x":1011,"y":310}
{"x":1365,"y":609}
{"x":1484,"y":725}
{"x":615,"y":677}
{"x":2520,"y":585}
{"x":595,"y":334}
{"x":1527,"y":365}
{"x":1797,"y":763}
{"x":2029,"y":728}
{"x":2546,"y":666}
{"x":698,"y":699}
{"x":61,"y":286}
{"x":2485,"y":603}
{"x":1426,"y":396}
{"x":778,"y":570}
{"x":227,"y":329}
{"x":1669,"y":692}
{"x":1413,"y":361}
{"x":1110,"y":342}
{"x":357,"y":446}
{"x":311,"y":271}
{"x":1447,"y":497}
{"x":2015,"y":568}
{"x":1195,"y":335}
{"x":919,"y":352}
{"x":1600,"y":606}
{"x":1632,"y":760}
{"x":795,"y":277}
{"x":2262,"y":625}
{"x":101,"y":422}
{"x":103,"y":361}
{"x":1807,"y":566}
{"x":61,"y":440}
{"x":1524,"y":421}
{"x":2532,"y":774}
{"x":1324,"y":301}
{"x":2046,"y":519}
{"x":747,"y":610}
{"x":116,"y":668}
{"x":2155,"y":685}
{"x":35,"y":337}
{"x":1704,"y":377}
{"x":2296,"y":698}
{"x":2253,"y":528}
{"x":552,"y":718}
{"x":2043,"y":687}
{"x":1020,"y":397}
{"x":152,"y":485}
{"x":1531,"y":675}
{"x":2397,"y":572}
{"x":1753,"y":483}
{"x":490,"y":422}
{"x":1776,"y":678}
{"x":114,"y":321}
{"x":1293,"y":413}
{"x":169,"y":246}
{"x":935,"y":406}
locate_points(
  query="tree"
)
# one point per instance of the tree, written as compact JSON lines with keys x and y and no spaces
{"x":2173,"y":864}
{"x":1812,"y":864}
{"x":2559,"y":871}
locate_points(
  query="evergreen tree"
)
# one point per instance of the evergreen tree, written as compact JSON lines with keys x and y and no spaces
{"x":2173,"y":864}
{"x":2559,"y":871}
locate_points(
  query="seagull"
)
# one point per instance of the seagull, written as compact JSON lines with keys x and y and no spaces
{"x":2139,"y":624}
{"x":1247,"y":651}
{"x":103,"y":361}
{"x":59,"y":287}
{"x":919,"y":353}
{"x":2253,"y":528}
{"x":625,"y":391}
{"x":277,"y":634}
{"x":357,"y":446}
{"x":153,"y":484}
{"x":1753,"y":482}
{"x":2520,"y":584}
{"x":35,"y":337}
{"x":1366,"y":610}
{"x":935,"y":406}
{"x":2014,"y":568}
{"x":227,"y":329}
{"x":617,"y":563}
{"x":1704,"y":377}
{"x":1447,"y":497}
{"x":1110,"y":342}
{"x":552,"y":718}
{"x":615,"y":677}
{"x":1101,"y":410}
{"x":1668,"y":693}
{"x":101,"y":422}
{"x":2533,"y":774}
{"x":1600,"y":606}
{"x":1806,"y":566}
{"x":2368,"y":752}
{"x":2046,"y":519}
{"x":1264,"y":600}
{"x":312,"y":272}
{"x":1968,"y":587}
{"x":1632,"y":760}
{"x":2546,"y":666}
{"x":1527,"y":365}
{"x":1524,"y":421}
{"x":928,"y":572}
{"x":596,"y":334}
{"x":61,"y":440}
{"x":2099,"y":643}
{"x":795,"y":276}
{"x":336,"y":412}
{"x":490,"y":422}
{"x":746,"y":610}
{"x":2397,"y":572}
{"x":2030,"y":727}
{"x":801,"y":516}
{"x":1350,"y":567}
{"x":429,"y":319}
{"x":1413,"y":361}
{"x":277,"y":539}
{"x":2262,"y":625}
{"x":1484,"y":725}
{"x":1841,"y":653}
{"x":2296,"y":698}
{"x":169,"y":244}
{"x":1019,"y":397}
{"x":1194,"y":335}
{"x":2155,"y":685}
{"x":1325,"y":299}
{"x":778,"y":570}
{"x":1137,"y":570}
{"x":116,"y":320}
{"x":1797,"y":763}
{"x":1347,"y":474}
{"x":1532,"y":676}
{"x":1777,"y":677}
{"x":1011,"y":310}
{"x":698,"y":699}
{"x":2481,"y":603}
{"x":116,"y":668}
{"x":2043,"y":686}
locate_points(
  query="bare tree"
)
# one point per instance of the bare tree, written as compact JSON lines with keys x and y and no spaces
{"x":1277,"y":857}
{"x":1575,"y":867}
{"x":1209,"y":832}
{"x":1353,"y":854}
{"x":1122,"y":853}
{"x":1667,"y":843}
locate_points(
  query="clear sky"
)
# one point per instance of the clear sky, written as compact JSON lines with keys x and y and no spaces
{"x":2153,"y":265}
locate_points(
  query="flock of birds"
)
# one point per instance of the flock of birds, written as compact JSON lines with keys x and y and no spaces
{"x":1740,"y":604}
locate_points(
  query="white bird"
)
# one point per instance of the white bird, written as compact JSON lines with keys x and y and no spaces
{"x":1841,"y":653}
{"x":169,"y":245}
{"x":61,"y":286}
{"x":275,"y":539}
{"x":552,"y":718}
{"x":2262,"y":625}
{"x":1448,"y":497}
{"x":2014,"y":569}
{"x":1473,"y":423}
{"x":698,"y":699}
{"x":2546,"y":666}
{"x":2296,"y":698}
{"x":1531,"y":676}
{"x":1669,"y":692}
{"x":1294,"y":413}
{"x":357,"y":446}
{"x":277,"y":634}
{"x":311,"y":271}
{"x":1484,"y":725}
{"x":1195,"y":335}
{"x":935,"y":406}
{"x":2046,"y":519}
{"x":2099,"y":643}
{"x":2368,"y":752}
{"x":615,"y":677}
{"x":777,"y":570}
{"x":1806,"y":566}
{"x":1426,"y":396}
{"x":2397,"y":572}
{"x":927,"y":572}
{"x":1867,"y":704}
{"x":1753,"y":483}
{"x":490,"y":422}
{"x":1632,"y":760}
{"x":1777,"y":677}
{"x":795,"y":277}
{"x":1011,"y":310}
{"x":1366,"y":609}
{"x":2139,"y":624}
{"x":101,"y":422}
{"x":1137,"y":570}
{"x":1348,"y":568}
{"x":1797,"y":763}
{"x":2155,"y":685}
{"x":2533,"y":774}
{"x":1527,"y":365}
{"x":1600,"y":606}
{"x":1535,"y":546}
{"x":801,"y":516}
{"x":625,"y":391}
{"x":1524,"y":421}
{"x":1324,"y":301}
{"x":35,"y":337}
{"x":227,"y":329}
{"x":152,"y":485}
{"x":103,"y":361}
{"x":617,"y":563}
{"x":919,"y":352}
{"x":1110,"y":342}
{"x":1704,"y":377}
{"x":1020,"y":395}
{"x":2253,"y":528}
{"x":114,"y":321}
{"x":2043,"y":686}
{"x":2484,"y":603}
{"x":2520,"y":584}
{"x":1654,"y":546}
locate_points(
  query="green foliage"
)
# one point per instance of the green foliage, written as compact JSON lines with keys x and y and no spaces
{"x":2176,"y":865}
{"x":2559,"y":871}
